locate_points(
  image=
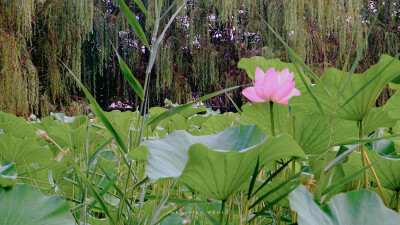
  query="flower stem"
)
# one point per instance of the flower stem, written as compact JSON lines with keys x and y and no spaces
{"x":376,"y":179}
{"x":364,"y":161}
{"x":221,"y":218}
{"x":271,"y":112}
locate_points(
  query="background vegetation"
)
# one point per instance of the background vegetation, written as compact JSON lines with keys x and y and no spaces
{"x":198,"y":55}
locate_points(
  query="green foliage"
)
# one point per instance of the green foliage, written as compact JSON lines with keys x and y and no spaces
{"x":24,"y":204}
{"x":352,"y":105}
{"x":23,"y":151}
{"x":160,"y":165}
{"x":362,"y":207}
{"x":35,"y":35}
{"x":8,"y":173}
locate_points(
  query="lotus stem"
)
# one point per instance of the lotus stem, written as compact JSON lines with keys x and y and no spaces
{"x":376,"y":179}
{"x":367,"y":162}
{"x":364,"y":161}
{"x":221,"y":218}
{"x":271,"y":110}
{"x":279,"y":214}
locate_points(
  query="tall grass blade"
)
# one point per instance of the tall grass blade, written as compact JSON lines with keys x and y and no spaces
{"x":254,"y":177}
{"x":160,"y":38}
{"x":212,"y":220}
{"x":129,"y":76}
{"x":365,"y":140}
{"x":341,"y":156}
{"x":162,"y":203}
{"x":165,"y":215}
{"x":112,"y":181}
{"x":274,"y":189}
{"x":272,"y":177}
{"x":275,"y":201}
{"x":99,"y":112}
{"x":144,"y":10}
{"x":95,"y":193}
{"x":98,"y":151}
{"x":169,"y":9}
{"x":344,"y":180}
{"x":134,"y":23}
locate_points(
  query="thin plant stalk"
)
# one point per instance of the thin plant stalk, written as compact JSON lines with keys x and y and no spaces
{"x":398,"y":201}
{"x":271,"y":111}
{"x":364,"y":161}
{"x":376,"y":179}
{"x":222,"y":217}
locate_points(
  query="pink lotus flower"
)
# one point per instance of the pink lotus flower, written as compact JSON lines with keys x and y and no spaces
{"x":272,"y":86}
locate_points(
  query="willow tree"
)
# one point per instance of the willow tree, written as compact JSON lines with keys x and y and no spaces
{"x":199,"y":54}
{"x":214,"y":35}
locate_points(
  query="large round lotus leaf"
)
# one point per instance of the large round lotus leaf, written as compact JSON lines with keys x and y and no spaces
{"x":377,"y":117}
{"x":8,"y":173}
{"x":275,"y":148}
{"x":218,"y":174}
{"x":230,"y":155}
{"x":355,"y":207}
{"x":218,"y":123}
{"x":259,"y":114}
{"x":25,"y":204}
{"x":23,"y":151}
{"x":314,"y":136}
{"x":334,"y":80}
{"x":68,"y":138}
{"x":16,"y":126}
{"x":215,"y":165}
{"x":393,"y":106}
{"x":387,"y":169}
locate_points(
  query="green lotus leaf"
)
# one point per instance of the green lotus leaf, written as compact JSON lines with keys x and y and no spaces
{"x":359,"y":106}
{"x":25,"y":204}
{"x":269,"y":187}
{"x":62,"y":118}
{"x":387,"y":169}
{"x":23,"y":151}
{"x":50,"y":178}
{"x":377,"y":117}
{"x":391,"y":196}
{"x":275,"y":148}
{"x":8,"y":173}
{"x":259,"y":114}
{"x":196,"y":120}
{"x":168,"y":156}
{"x":57,"y":131}
{"x":215,"y":165}
{"x":355,"y":207}
{"x":193,"y":110}
{"x":218,"y":123}
{"x":67,"y":137}
{"x":16,"y":126}
{"x":393,"y":106}
{"x":218,"y":174}
{"x":314,"y":136}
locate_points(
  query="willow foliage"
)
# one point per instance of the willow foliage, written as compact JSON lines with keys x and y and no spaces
{"x":199,"y":54}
